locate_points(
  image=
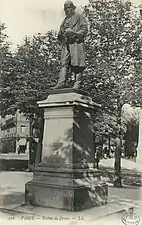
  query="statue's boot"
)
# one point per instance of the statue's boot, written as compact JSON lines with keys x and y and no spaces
{"x":62,"y":78}
{"x":78,"y":80}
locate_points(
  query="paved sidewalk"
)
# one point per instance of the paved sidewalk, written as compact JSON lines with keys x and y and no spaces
{"x":12,"y":188}
{"x":13,"y":183}
{"x":125,"y":164}
{"x":131,"y":171}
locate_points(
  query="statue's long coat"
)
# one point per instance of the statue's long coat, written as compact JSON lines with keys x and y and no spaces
{"x":77,"y":49}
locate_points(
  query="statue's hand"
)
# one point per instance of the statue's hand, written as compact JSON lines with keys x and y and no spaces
{"x":69,"y":32}
{"x":80,"y":37}
{"x":70,"y":35}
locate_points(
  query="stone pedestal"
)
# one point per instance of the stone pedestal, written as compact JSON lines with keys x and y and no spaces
{"x":65,"y":177}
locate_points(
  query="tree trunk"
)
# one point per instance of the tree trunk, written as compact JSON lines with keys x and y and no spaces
{"x":39,"y":147}
{"x":31,"y":135}
{"x":117,"y":164}
{"x":94,"y":160}
{"x":109,"y":145}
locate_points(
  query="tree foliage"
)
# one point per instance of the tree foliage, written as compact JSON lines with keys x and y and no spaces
{"x":36,"y":70}
{"x":6,"y":72}
{"x":113,"y":58}
{"x":113,"y":48}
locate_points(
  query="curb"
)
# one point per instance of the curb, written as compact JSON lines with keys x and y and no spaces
{"x":7,"y":209}
{"x":123,"y":207}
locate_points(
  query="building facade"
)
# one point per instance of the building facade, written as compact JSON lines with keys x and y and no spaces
{"x":14,"y":133}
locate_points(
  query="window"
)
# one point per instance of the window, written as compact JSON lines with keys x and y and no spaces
{"x":23,"y":129}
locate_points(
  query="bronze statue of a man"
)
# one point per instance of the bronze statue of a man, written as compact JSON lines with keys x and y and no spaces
{"x":71,"y":36}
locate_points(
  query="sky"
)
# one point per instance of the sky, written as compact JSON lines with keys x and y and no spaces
{"x":27,"y":17}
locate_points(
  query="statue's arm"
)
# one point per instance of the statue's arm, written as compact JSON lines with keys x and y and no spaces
{"x":60,"y":34}
{"x":83,"y":28}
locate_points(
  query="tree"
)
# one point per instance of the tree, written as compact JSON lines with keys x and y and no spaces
{"x":6,"y":72}
{"x":113,"y":51}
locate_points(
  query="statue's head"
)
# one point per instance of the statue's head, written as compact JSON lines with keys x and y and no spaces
{"x":69,"y":8}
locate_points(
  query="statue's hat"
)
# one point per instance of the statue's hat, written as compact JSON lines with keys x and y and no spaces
{"x":69,"y":3}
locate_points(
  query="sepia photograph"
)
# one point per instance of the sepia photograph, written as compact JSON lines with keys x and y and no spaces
{"x":71,"y":112}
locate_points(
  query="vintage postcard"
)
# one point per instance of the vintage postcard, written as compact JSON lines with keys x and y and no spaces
{"x":71,"y":112}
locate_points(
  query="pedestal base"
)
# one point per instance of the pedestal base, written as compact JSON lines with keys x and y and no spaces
{"x":73,"y":191}
{"x":65,"y":178}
